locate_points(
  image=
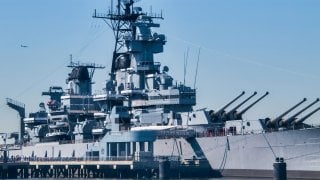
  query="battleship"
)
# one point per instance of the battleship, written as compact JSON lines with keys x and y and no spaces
{"x":142,"y":114}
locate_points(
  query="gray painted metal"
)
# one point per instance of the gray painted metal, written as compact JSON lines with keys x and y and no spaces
{"x":277,"y":119}
{"x":293,"y":117}
{"x":141,"y":113}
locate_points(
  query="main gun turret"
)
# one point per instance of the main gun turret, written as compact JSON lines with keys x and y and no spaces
{"x":285,"y":122}
{"x":275,"y":122}
{"x":231,"y":115}
{"x":301,"y":120}
{"x":215,"y":116}
{"x":239,"y":114}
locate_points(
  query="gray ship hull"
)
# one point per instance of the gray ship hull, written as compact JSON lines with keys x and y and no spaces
{"x":239,"y":156}
{"x":251,"y":156}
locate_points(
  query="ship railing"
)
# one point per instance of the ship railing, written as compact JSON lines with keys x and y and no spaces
{"x":165,"y":134}
{"x":208,"y":133}
{"x":64,"y":142}
{"x":147,"y":65}
{"x":90,"y":158}
{"x":110,"y":158}
{"x":77,"y":141}
{"x":225,"y":132}
{"x":12,"y":159}
{"x":169,"y":158}
{"x":294,"y":127}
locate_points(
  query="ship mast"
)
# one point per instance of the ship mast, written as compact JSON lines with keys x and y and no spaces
{"x":122,"y":23}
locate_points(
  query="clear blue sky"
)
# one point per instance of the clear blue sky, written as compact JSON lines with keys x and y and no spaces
{"x":251,"y":45}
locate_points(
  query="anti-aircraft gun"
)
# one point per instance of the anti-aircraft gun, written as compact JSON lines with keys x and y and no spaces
{"x":275,"y":122}
{"x":238,"y":115}
{"x":215,"y":116}
{"x":232,"y":113}
{"x":287,"y":122}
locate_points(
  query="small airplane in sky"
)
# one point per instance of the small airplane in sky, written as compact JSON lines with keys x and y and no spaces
{"x":24,"y":46}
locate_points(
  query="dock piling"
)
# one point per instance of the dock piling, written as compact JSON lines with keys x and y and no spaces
{"x":279,"y":169}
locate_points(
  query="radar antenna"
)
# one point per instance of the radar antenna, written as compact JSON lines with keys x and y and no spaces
{"x":196,"y":75}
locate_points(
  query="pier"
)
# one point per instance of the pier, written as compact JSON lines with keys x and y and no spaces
{"x":115,"y":167}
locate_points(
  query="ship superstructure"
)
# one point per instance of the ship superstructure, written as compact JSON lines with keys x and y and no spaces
{"x":71,"y":111}
{"x":137,"y":82}
{"x":142,"y":113}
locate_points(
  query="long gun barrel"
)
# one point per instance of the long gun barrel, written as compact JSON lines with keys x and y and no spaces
{"x":232,"y":113}
{"x":293,"y":117}
{"x":248,"y":107}
{"x":276,"y":120}
{"x":298,"y":121}
{"x":235,"y":108}
{"x":219,"y":112}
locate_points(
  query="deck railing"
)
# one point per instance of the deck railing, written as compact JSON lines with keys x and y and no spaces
{"x":90,"y":158}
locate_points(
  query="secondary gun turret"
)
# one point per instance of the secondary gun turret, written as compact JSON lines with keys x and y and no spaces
{"x":232,"y":113}
{"x":275,"y":122}
{"x":288,"y":121}
{"x":218,"y":115}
